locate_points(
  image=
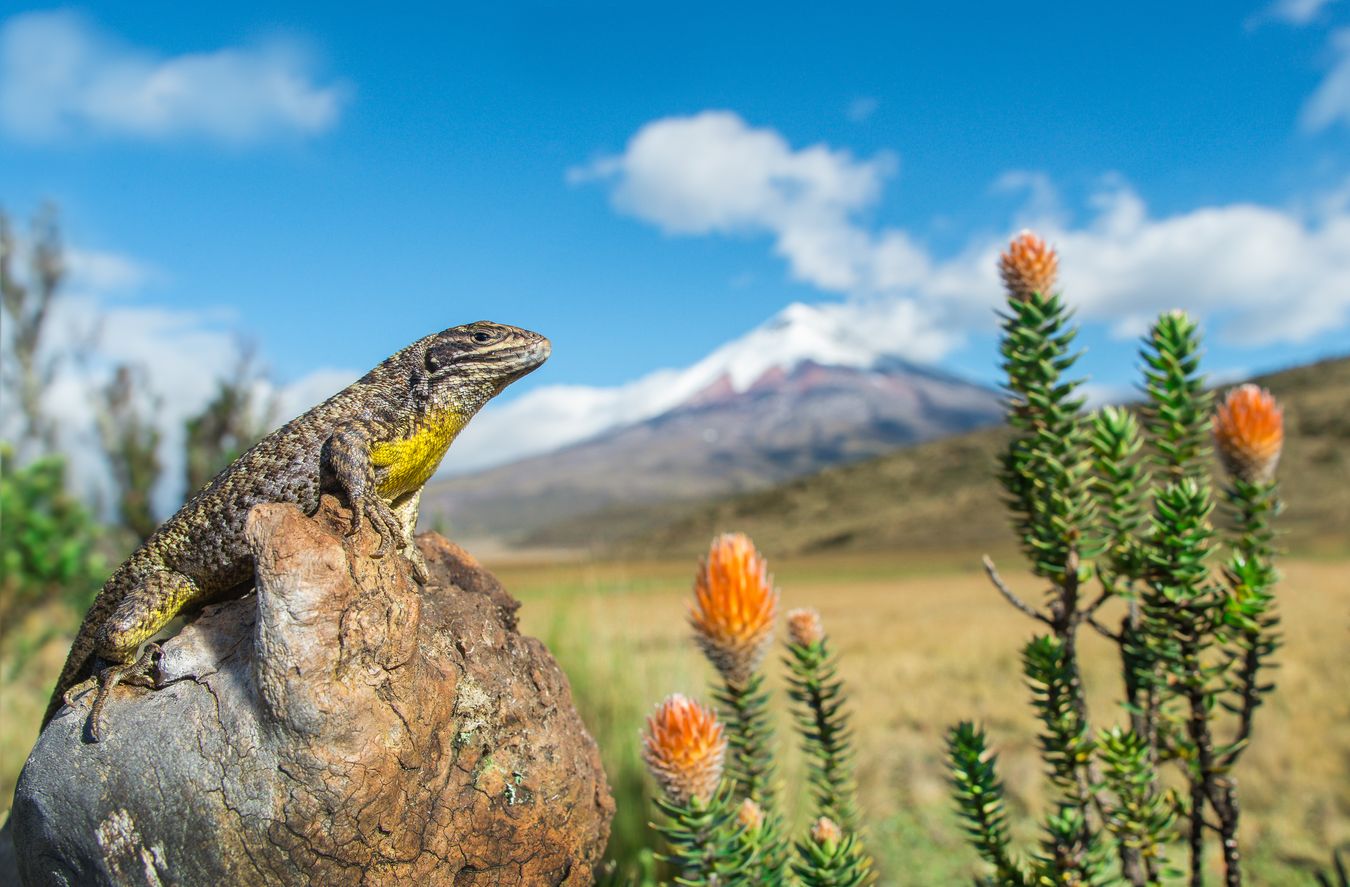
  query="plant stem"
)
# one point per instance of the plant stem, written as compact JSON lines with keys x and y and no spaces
{"x":1199,"y":730}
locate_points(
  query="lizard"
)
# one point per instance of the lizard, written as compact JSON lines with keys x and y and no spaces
{"x":376,"y":443}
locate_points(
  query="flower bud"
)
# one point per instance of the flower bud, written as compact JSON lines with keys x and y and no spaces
{"x":750,"y":815}
{"x":825,"y":832}
{"x":804,"y":628}
{"x":1249,"y":433}
{"x":734,"y":607}
{"x":1029,"y":266}
{"x":684,"y":749}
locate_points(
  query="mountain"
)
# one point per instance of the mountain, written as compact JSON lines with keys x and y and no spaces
{"x":942,"y":496}
{"x":858,"y":334}
{"x":736,"y":432}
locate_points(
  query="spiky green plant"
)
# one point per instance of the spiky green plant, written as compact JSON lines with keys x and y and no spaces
{"x":704,"y":844}
{"x":733,"y":614}
{"x":1336,"y":876}
{"x":979,"y":801}
{"x":735,"y":605}
{"x":1127,"y":504}
{"x":818,"y":693}
{"x":1143,"y":817}
{"x":830,"y":857}
{"x":1177,"y":415}
{"x":684,"y":748}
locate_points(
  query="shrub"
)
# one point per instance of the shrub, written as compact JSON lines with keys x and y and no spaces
{"x":1108,"y":507}
{"x":48,"y":550}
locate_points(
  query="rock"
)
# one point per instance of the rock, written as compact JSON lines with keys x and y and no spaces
{"x":338,"y":725}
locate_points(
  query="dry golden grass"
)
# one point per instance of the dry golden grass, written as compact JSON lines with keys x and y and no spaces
{"x":30,"y":659}
{"x":923,"y":646}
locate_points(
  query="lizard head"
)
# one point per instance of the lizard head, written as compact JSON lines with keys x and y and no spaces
{"x":464,"y":367}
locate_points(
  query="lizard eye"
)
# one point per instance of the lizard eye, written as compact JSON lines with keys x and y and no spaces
{"x":482,"y":336}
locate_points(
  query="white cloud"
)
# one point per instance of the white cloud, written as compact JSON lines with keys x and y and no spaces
{"x":1295,"y":12}
{"x":93,"y":327}
{"x":712,"y":173}
{"x":1043,"y":202}
{"x":1329,"y":104}
{"x":1098,"y":394}
{"x":60,"y":75}
{"x":97,"y":271}
{"x":1260,"y":274}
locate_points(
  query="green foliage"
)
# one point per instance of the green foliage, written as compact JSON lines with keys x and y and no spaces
{"x":1336,"y":876}
{"x":831,"y":862}
{"x":49,"y":546}
{"x":979,"y":800}
{"x":1120,"y":483}
{"x":1143,"y":818}
{"x":1249,"y":608}
{"x":705,"y":844}
{"x":1064,"y":741}
{"x":1177,"y":416}
{"x":1071,"y":854}
{"x":1189,"y":640}
{"x":814,"y":686}
{"x":744,"y":710}
{"x":1179,"y":603}
{"x":1046,"y":466}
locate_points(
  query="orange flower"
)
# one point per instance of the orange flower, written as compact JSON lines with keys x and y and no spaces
{"x":1029,"y":266}
{"x":804,"y":628}
{"x":825,"y":832}
{"x":684,"y":748}
{"x":734,"y":607}
{"x":1249,"y":433}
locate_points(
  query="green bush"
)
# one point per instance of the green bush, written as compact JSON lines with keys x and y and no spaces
{"x":1113,"y":510}
{"x":48,"y":541}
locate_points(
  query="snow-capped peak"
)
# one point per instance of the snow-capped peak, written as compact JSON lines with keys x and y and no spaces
{"x":856,"y":334}
{"x":818,"y":333}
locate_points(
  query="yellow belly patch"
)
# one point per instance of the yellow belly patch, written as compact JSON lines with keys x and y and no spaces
{"x":410,"y":462}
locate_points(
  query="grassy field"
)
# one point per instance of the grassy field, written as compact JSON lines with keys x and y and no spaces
{"x":924,"y":642}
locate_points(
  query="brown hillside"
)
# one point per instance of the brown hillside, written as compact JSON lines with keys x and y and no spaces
{"x":941,"y":496}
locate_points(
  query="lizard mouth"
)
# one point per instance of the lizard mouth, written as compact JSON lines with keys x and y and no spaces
{"x":524,"y":358}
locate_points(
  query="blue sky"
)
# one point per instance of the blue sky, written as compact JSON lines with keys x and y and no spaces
{"x":333,"y":183}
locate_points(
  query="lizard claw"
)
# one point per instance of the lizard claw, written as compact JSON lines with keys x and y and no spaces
{"x":135,"y":673}
{"x":385,"y":524}
{"x":79,"y":689}
{"x":419,"y":564}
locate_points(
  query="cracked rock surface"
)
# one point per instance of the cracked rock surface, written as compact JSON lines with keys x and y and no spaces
{"x":338,"y":725}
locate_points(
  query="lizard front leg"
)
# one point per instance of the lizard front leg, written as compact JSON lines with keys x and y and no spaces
{"x":345,"y":458}
{"x":148,"y":606}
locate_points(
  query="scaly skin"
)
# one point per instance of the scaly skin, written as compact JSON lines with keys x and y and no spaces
{"x":375,"y":442}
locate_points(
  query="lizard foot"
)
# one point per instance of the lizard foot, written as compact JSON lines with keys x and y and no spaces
{"x":77,"y":690}
{"x":419,"y":563}
{"x":381,"y":517}
{"x":135,"y":673}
